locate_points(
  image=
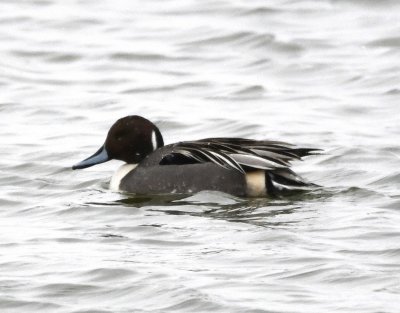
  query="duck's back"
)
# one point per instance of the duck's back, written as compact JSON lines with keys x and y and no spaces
{"x":237,"y":166}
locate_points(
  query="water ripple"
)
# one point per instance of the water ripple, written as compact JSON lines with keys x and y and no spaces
{"x":316,"y":73}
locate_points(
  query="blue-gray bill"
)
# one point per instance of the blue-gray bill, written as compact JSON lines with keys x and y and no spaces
{"x":100,"y":156}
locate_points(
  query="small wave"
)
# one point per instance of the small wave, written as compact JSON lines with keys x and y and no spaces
{"x":26,"y":305}
{"x":392,"y":42}
{"x":387,"y":180}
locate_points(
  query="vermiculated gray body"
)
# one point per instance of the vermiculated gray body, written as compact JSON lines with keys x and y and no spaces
{"x":149,"y":176}
{"x":188,"y":178}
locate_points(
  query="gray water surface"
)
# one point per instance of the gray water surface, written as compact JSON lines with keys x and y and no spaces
{"x":316,"y":73}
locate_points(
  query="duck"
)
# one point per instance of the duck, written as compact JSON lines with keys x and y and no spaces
{"x":236,"y":166}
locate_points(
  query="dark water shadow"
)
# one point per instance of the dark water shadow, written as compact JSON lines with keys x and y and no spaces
{"x":265,"y":212}
{"x":216,"y":205}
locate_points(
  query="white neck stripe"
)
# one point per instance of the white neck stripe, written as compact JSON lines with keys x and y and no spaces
{"x":154,"y":140}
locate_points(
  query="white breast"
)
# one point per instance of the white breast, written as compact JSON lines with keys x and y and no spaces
{"x":119,"y":175}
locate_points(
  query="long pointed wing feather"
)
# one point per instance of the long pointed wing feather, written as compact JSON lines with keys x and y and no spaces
{"x":255,"y":161}
{"x":234,"y":153}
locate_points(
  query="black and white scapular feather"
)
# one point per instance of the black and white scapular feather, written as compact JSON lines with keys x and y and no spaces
{"x":246,"y":155}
